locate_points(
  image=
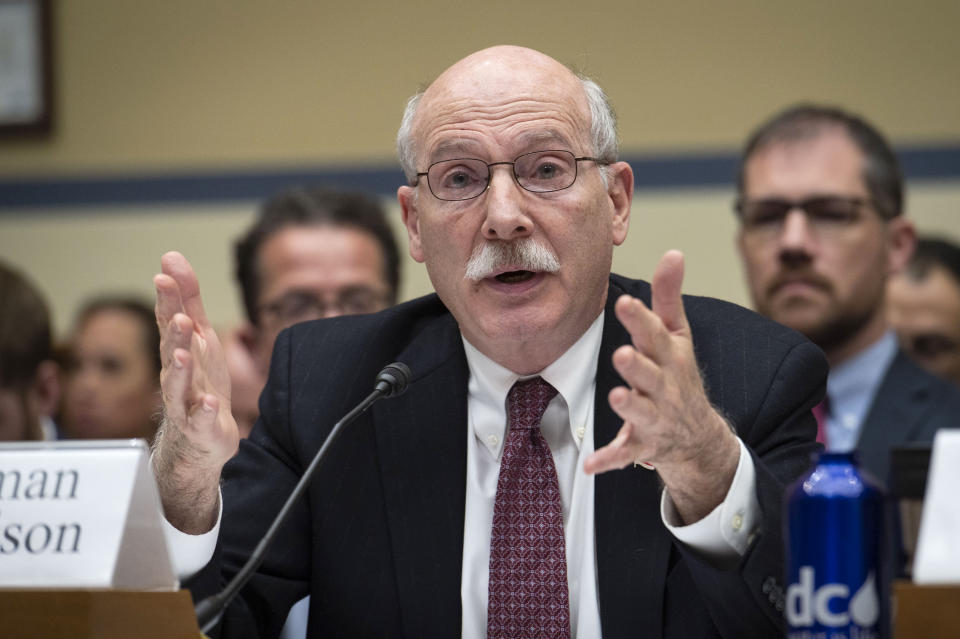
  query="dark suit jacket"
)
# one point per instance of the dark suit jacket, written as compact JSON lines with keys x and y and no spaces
{"x":910,"y":406}
{"x":378,"y":541}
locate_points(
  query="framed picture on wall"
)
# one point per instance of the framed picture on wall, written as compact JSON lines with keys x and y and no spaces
{"x":25,"y":67}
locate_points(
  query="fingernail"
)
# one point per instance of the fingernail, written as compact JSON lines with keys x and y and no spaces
{"x":176,"y":362}
{"x":207,"y":406}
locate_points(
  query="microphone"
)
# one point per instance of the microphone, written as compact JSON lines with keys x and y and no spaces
{"x":391,"y":381}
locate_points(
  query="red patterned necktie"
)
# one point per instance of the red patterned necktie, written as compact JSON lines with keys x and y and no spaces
{"x":528,"y":564}
{"x":820,"y":414}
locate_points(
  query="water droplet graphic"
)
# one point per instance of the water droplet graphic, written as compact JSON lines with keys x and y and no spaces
{"x":865,"y":604}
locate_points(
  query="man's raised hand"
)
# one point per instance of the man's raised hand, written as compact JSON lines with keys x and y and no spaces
{"x":668,"y":419}
{"x":198,"y":434}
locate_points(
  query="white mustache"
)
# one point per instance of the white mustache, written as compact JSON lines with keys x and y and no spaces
{"x":520,"y":255}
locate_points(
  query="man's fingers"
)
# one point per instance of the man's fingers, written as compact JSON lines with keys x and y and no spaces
{"x":187,"y":408}
{"x":667,"y":302}
{"x":177,"y":333}
{"x":639,"y":371}
{"x":176,"y":266}
{"x":646,"y":329}
{"x":632,"y":407}
{"x":614,"y":455}
{"x":175,"y":384}
{"x":168,"y":300}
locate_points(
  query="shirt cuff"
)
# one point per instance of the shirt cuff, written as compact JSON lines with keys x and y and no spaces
{"x":190,"y":553}
{"x":723,"y":536}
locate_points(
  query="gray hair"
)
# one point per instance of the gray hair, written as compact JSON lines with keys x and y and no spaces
{"x":603,"y":129}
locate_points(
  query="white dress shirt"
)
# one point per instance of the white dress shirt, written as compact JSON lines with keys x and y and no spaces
{"x":567,"y":425}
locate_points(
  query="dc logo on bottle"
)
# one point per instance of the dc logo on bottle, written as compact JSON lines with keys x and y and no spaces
{"x":832,"y":606}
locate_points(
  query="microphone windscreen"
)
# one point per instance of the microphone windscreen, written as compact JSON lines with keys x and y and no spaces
{"x":393,"y":379}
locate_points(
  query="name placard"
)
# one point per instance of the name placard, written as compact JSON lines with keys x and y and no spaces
{"x":938,"y":553}
{"x":81,"y":514}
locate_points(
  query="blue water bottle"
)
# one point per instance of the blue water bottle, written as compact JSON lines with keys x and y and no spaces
{"x":835,"y":546}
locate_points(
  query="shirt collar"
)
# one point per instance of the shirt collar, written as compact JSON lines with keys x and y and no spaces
{"x":859,"y":376}
{"x":490,"y":382}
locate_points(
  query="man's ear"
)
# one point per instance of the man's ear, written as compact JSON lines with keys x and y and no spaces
{"x":740,"y":240}
{"x":620,"y":191}
{"x":249,"y":348}
{"x":46,"y":390}
{"x":247,"y":336}
{"x":407,"y":196}
{"x":901,"y":242}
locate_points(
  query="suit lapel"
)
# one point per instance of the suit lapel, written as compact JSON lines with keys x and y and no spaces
{"x":421,"y":445}
{"x":632,"y":546}
{"x":896,"y":412}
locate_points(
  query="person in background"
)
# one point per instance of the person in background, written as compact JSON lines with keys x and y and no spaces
{"x":246,"y":378}
{"x":822,"y":229}
{"x":923,"y":307}
{"x":112,"y":386}
{"x":312,"y":252}
{"x":29,"y":374}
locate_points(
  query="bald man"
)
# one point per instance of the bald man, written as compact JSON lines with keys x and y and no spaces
{"x":558,"y":466}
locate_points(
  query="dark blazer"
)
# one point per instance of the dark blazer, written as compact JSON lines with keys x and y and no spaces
{"x":378,"y":541}
{"x":909,"y":407}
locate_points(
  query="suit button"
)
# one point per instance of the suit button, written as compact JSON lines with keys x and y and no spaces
{"x":767,"y":586}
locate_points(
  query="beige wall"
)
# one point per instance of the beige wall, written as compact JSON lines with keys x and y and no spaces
{"x":182,"y":83}
{"x":144,"y":87}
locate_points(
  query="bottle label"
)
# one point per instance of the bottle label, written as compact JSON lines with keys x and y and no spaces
{"x":829,"y":611}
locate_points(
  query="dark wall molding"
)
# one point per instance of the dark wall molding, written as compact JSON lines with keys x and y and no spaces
{"x":652,"y":172}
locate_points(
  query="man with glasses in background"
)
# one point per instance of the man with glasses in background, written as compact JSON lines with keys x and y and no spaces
{"x":312,"y":252}
{"x":820,"y":206}
{"x":577,"y":454}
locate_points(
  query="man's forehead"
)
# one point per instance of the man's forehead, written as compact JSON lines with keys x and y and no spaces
{"x":533,"y":140}
{"x":830,"y":141}
{"x":830,"y":159}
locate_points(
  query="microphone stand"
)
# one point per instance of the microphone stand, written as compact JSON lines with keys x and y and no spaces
{"x":391,"y":381}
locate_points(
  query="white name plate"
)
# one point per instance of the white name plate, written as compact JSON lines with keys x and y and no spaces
{"x":938,"y":551}
{"x":81,"y":514}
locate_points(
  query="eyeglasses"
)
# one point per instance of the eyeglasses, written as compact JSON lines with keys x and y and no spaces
{"x":299,"y":306}
{"x":931,"y":346}
{"x":825,"y":214}
{"x":538,"y":172}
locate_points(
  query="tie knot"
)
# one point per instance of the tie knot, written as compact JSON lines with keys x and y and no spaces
{"x":527,"y":400}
